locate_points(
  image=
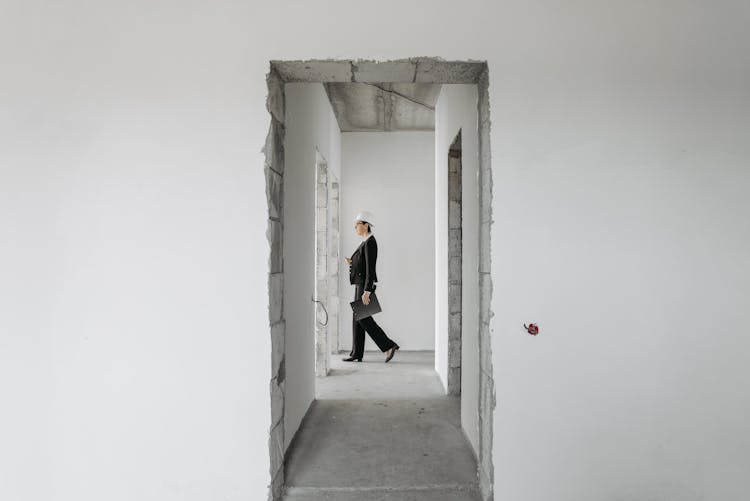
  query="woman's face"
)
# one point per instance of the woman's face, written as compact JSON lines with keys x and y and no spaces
{"x":361,"y":228}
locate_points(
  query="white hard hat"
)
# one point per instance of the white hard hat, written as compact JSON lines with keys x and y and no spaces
{"x":366,"y":217}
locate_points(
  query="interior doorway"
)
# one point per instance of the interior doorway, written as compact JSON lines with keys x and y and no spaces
{"x":282,"y":311}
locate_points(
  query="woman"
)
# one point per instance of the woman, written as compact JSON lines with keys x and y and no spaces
{"x":362,"y":275}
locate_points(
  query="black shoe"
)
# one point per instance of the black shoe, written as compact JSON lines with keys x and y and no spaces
{"x":352,"y":359}
{"x":392,"y":352}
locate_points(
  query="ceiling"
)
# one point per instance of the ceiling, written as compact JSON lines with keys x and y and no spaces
{"x":383,"y":107}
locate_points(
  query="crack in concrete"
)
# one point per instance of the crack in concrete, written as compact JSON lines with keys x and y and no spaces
{"x":402,"y":96}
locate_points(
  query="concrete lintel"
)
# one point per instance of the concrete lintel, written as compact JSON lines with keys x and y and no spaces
{"x":419,"y":69}
{"x":314,"y":70}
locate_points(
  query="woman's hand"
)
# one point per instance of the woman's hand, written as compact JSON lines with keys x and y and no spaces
{"x":366,"y":298}
{"x":348,"y":261}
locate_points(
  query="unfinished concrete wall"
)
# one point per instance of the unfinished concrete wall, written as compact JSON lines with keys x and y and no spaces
{"x":456,"y":111}
{"x":274,"y":173}
{"x":134,"y":215}
{"x":308,"y":130}
{"x":391,"y":174}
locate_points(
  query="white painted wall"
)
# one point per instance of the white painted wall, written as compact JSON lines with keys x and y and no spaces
{"x":310,"y":126}
{"x":456,"y":109}
{"x":134,"y":318}
{"x":392,"y":175}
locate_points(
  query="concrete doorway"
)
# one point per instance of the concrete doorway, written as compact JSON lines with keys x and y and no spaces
{"x":289,"y":389}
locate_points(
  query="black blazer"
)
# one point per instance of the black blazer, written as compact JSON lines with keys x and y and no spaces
{"x":362,"y":269}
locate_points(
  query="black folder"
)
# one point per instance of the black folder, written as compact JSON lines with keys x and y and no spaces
{"x":361,"y":310}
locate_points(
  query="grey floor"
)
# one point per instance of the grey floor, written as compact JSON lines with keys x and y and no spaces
{"x":382,"y":432}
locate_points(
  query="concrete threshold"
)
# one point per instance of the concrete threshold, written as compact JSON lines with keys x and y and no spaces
{"x":411,"y":493}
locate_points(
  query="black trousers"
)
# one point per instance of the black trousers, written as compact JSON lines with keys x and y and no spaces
{"x":371,"y":327}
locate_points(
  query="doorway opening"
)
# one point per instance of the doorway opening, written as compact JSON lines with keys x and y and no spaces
{"x":287,"y":399}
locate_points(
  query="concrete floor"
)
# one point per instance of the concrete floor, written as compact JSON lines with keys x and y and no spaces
{"x":382,"y":432}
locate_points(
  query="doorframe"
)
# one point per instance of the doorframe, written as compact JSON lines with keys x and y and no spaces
{"x":423,"y":70}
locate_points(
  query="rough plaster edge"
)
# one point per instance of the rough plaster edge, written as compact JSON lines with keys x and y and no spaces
{"x":275,"y":105}
{"x":486,"y":464}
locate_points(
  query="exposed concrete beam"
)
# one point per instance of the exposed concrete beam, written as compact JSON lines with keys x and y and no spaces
{"x":414,"y":70}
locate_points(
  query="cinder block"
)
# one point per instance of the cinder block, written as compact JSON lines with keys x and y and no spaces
{"x":274,"y":147}
{"x":321,"y":199}
{"x":384,"y":72}
{"x":485,"y":150}
{"x":485,"y":255}
{"x":484,"y":98}
{"x":431,"y":70}
{"x":454,"y":380}
{"x":274,"y":193}
{"x":454,"y":270}
{"x":315,"y":71}
{"x":454,"y":215}
{"x":275,"y":98}
{"x":278,"y":347}
{"x":485,"y":348}
{"x":321,"y":248}
{"x":454,"y":298}
{"x":485,"y":485}
{"x":275,"y":233}
{"x":454,"y":170}
{"x":276,"y":293}
{"x":454,"y":188}
{"x":486,"y":408}
{"x":485,"y":298}
{"x":277,"y":402}
{"x":485,"y":196}
{"x":276,"y":446}
{"x":454,"y":324}
{"x":454,"y":352}
{"x":454,"y":242}
{"x":323,"y":174}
